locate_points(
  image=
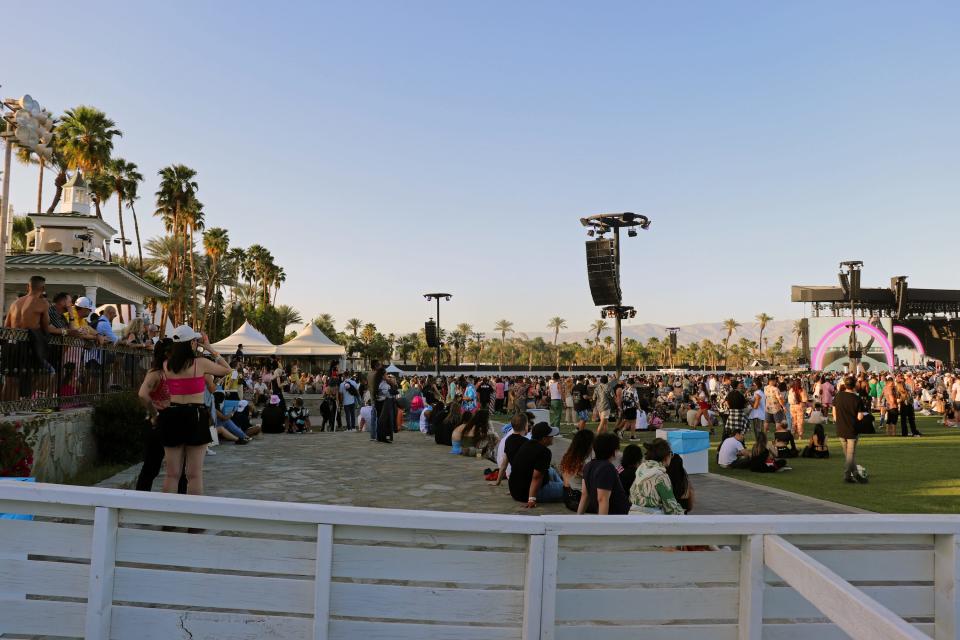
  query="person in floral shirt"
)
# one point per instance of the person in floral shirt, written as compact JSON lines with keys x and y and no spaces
{"x":652,"y":491}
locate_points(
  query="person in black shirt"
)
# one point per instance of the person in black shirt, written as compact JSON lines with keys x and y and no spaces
{"x":847,"y":411}
{"x":485,"y":393}
{"x":532,"y":479}
{"x":516,"y":439}
{"x":581,"y":403}
{"x":631,"y":459}
{"x":736,"y":410}
{"x":603,"y":493}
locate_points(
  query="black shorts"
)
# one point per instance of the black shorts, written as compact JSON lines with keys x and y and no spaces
{"x":629,"y":414}
{"x":892,"y":416}
{"x":184,"y":424}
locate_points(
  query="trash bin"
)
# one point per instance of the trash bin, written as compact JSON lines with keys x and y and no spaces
{"x":691,"y":445}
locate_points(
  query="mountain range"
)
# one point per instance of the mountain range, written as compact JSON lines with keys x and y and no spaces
{"x":713,"y":331}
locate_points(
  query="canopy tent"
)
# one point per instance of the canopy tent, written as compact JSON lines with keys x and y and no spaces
{"x":254,"y":343}
{"x":311,"y":342}
{"x":394,"y":369}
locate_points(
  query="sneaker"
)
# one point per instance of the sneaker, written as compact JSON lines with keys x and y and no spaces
{"x":211,"y":452}
{"x":863,"y":479}
{"x":850,"y":480}
{"x":917,"y":434}
{"x":243,"y":441}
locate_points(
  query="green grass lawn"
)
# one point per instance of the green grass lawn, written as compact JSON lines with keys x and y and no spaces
{"x":907,"y":475}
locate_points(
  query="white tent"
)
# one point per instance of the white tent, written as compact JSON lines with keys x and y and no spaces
{"x":394,"y":369}
{"x":311,"y":342}
{"x":254,"y":343}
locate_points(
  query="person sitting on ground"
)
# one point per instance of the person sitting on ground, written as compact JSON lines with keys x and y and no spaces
{"x":456,"y":435}
{"x":603,"y":492}
{"x":298,"y":418}
{"x":652,"y":491}
{"x":783,"y":439}
{"x":272,"y":418}
{"x":224,"y":421}
{"x":763,"y":457}
{"x":629,"y":461}
{"x":532,"y":479}
{"x":693,"y":415}
{"x":509,"y":445}
{"x":260,"y":392}
{"x":682,"y":487}
{"x":732,"y":453}
{"x":816,"y":416}
{"x":366,"y":417}
{"x":951,"y":415}
{"x":571,"y":467}
{"x":477,"y":439}
{"x":818,"y":444}
{"x":425,"y":415}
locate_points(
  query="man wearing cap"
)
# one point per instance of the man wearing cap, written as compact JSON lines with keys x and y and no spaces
{"x":532,"y":479}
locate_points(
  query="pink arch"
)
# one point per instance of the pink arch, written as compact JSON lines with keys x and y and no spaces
{"x":816,"y":362}
{"x":910,"y":335}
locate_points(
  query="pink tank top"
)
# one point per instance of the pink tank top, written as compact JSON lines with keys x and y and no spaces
{"x":185,"y":386}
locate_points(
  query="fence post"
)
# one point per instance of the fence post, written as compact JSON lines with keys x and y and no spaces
{"x":548,"y":595}
{"x":946,"y":594}
{"x":103,"y":554}
{"x":322,"y":582}
{"x":533,"y":588}
{"x":750,"y":622}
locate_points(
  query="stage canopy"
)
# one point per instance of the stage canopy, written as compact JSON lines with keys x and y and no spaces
{"x":310,"y":341}
{"x":254,"y":343}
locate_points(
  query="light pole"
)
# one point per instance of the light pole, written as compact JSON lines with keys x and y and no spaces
{"x":437,"y":296}
{"x":479,"y":338}
{"x":31,"y":127}
{"x":850,"y":283}
{"x":599,"y":225}
{"x":672,"y":344}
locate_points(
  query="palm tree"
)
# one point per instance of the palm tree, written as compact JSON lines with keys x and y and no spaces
{"x":730,"y":325}
{"x":101,"y":188}
{"x":287,"y":316}
{"x":798,"y":332}
{"x":124,"y":177}
{"x":279,"y":277}
{"x":216,"y":242}
{"x":763,"y":319}
{"x":556,"y":323}
{"x":175,"y":196}
{"x":193,"y":219}
{"x":354,"y":325}
{"x":85,"y":139}
{"x":503,"y":326}
{"x":22,"y":225}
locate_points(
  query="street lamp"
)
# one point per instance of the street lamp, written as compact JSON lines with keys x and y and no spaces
{"x":437,"y":296}
{"x":601,"y":224}
{"x":850,"y":283}
{"x":31,"y":127}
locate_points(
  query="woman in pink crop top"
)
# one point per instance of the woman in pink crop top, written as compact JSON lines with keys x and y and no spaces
{"x":155,"y":397}
{"x":184,"y":424}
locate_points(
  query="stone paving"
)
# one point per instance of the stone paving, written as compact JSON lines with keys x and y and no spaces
{"x":414,"y":473}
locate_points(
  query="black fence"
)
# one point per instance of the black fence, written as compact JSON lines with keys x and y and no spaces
{"x":39,"y":371}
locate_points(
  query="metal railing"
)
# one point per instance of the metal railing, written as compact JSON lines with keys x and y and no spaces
{"x":40,"y":371}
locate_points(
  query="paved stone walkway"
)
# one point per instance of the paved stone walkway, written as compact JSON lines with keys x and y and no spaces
{"x":414,"y":473}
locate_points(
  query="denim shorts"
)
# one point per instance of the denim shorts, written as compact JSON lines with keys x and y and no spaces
{"x":584,"y":415}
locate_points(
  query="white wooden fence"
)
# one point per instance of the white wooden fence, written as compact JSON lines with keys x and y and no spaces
{"x":95,"y":564}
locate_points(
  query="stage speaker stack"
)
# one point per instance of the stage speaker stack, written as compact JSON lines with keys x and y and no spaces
{"x":603,"y":272}
{"x":430,"y":329}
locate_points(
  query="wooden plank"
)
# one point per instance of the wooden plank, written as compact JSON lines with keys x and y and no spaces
{"x":424,"y":604}
{"x":647,"y":605}
{"x":906,"y":601}
{"x":103,"y":553}
{"x":860,"y":540}
{"x":169,"y":624}
{"x":639,"y":542}
{"x":750,"y":620}
{"x":356,"y":629}
{"x":43,"y":578}
{"x":323,"y":573}
{"x":218,"y":523}
{"x":52,"y":510}
{"x":214,"y":591}
{"x":428,"y":565}
{"x":255,"y":555}
{"x":857,"y":565}
{"x":946,"y":591}
{"x":42,"y":618}
{"x":548,"y":608}
{"x":648,"y":632}
{"x":533,"y":589}
{"x":651,"y":567}
{"x":853,"y":610}
{"x":817,"y":631}
{"x":46,"y":538}
{"x":348,"y":534}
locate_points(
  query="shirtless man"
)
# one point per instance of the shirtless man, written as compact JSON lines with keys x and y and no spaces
{"x":32,"y":311}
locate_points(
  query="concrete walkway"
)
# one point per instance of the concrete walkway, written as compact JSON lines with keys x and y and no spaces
{"x":414,"y":473}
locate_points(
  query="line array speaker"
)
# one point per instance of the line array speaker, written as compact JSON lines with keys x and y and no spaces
{"x":603,"y":272}
{"x":430,"y":329}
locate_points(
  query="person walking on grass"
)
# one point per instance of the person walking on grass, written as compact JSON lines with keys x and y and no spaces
{"x":601,"y":403}
{"x":556,"y":400}
{"x":847,"y":412}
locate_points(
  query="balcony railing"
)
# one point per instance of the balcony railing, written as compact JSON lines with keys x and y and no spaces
{"x":54,"y":372}
{"x":101,"y":564}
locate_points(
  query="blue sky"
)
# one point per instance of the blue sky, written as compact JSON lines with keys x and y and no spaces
{"x":384,"y":149}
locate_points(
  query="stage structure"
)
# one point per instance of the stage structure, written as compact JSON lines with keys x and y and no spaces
{"x":894,"y":326}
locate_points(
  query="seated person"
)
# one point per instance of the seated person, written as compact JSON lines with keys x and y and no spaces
{"x":272,"y":418}
{"x":603,"y":492}
{"x":532,"y":479}
{"x":784,"y":442}
{"x":652,"y":491}
{"x":366,"y":417}
{"x":733,"y":453}
{"x":818,"y":444}
{"x":682,"y":488}
{"x":425,"y":420}
{"x":298,"y":418}
{"x":763,"y":456}
{"x":629,"y":461}
{"x":511,"y":442}
{"x":260,"y":392}
{"x":816,"y":416}
{"x":456,"y":435}
{"x":224,"y":421}
{"x":692,"y":415}
{"x":477,"y":439}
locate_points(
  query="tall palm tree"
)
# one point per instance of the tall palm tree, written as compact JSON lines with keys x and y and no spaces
{"x":216,"y":242}
{"x":763,"y":319}
{"x":503,"y":326}
{"x":101,"y":188}
{"x":279,"y":277}
{"x":556,"y":323}
{"x":730,"y":325}
{"x":175,"y":196}
{"x":193,"y":219}
{"x":598,"y":327}
{"x":354,"y":325}
{"x":287,"y":316}
{"x":123,"y":176}
{"x":85,"y":140}
{"x":797,"y":332}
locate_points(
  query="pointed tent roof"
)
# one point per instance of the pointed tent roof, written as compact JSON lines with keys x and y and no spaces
{"x":254,"y":343}
{"x":311,"y":342}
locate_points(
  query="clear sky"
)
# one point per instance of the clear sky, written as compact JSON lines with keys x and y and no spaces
{"x":384,"y":149}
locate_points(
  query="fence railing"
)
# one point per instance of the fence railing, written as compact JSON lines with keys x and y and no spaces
{"x":55,"y":372}
{"x":101,"y":564}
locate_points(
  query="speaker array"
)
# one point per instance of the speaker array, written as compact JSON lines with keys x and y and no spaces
{"x":603,"y":272}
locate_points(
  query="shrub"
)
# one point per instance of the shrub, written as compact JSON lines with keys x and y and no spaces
{"x":16,"y":456}
{"x":118,"y":428}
